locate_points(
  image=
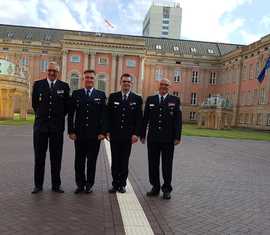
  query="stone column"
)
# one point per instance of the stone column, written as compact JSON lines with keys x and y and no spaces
{"x":93,"y":60}
{"x":23,"y":107}
{"x":119,"y":71}
{"x":64,"y":65}
{"x":113,"y":74}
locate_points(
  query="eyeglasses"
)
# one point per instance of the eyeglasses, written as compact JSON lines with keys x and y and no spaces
{"x":52,"y":71}
{"x":126,"y":81}
{"x":164,"y":84}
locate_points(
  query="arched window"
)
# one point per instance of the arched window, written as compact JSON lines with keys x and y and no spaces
{"x":74,"y":82}
{"x":101,"y":82}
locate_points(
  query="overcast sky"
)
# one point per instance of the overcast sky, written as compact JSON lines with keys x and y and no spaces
{"x":235,"y":21}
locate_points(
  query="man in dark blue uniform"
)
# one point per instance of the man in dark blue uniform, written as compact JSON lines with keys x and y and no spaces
{"x":124,"y":126}
{"x":50,"y":98}
{"x":163,"y":117}
{"x":87,"y":130}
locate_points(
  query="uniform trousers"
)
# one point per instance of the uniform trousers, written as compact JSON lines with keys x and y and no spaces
{"x":41,"y":142}
{"x":86,"y":152}
{"x":165,"y":150}
{"x":120,"y":151}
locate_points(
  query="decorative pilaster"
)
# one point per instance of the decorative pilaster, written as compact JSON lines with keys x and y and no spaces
{"x":141,"y":76}
{"x":64,"y":65}
{"x":93,"y":60}
{"x":113,"y":74}
{"x":119,"y":71}
{"x":86,"y":61}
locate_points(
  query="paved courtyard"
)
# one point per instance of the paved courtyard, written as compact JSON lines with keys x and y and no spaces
{"x":220,"y":187}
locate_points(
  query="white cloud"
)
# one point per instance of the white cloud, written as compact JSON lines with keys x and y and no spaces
{"x":248,"y":37}
{"x":207,"y":20}
{"x":201,"y":20}
{"x":265,"y":21}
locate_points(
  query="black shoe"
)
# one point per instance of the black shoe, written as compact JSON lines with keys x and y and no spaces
{"x":88,"y":189}
{"x":166,"y":195}
{"x":113,"y":190}
{"x":121,"y":190}
{"x":58,"y":190}
{"x":79,"y":190}
{"x":36,"y":190}
{"x":153,"y":193}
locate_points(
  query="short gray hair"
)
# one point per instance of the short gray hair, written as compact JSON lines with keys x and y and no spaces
{"x":165,"y":80}
{"x":55,"y":64}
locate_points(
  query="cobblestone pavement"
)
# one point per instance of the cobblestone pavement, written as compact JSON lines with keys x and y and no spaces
{"x":220,"y":187}
{"x":51,"y":213}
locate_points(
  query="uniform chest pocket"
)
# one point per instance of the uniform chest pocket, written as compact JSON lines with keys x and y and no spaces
{"x":97,"y":101}
{"x":60,"y":93}
{"x":133,"y":106}
{"x":116,"y":105}
{"x":152,"y":107}
{"x":171,"y":108}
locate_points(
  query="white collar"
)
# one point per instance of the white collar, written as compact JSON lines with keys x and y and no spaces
{"x":127,"y":94}
{"x":49,"y":81}
{"x":164,"y":96}
{"x":85,"y":89}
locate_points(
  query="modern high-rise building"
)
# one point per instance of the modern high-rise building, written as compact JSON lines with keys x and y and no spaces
{"x":163,"y":19}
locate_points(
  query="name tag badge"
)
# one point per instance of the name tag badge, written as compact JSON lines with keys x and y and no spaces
{"x":151,"y":105}
{"x":97,"y":99}
{"x":116,"y":103}
{"x":171,"y":104}
{"x":133,"y":103}
{"x":60,"y":92}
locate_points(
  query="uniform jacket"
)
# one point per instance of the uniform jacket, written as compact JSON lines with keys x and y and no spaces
{"x":124,"y":117}
{"x":50,"y":106}
{"x":86,"y":117}
{"x":164,"y":121}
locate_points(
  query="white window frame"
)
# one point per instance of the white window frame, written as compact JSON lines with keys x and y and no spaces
{"x":131,"y":63}
{"x":268,"y":119}
{"x":44,"y":65}
{"x":158,"y":74}
{"x":102,"y":60}
{"x":176,"y":93}
{"x":194,"y":98}
{"x":213,"y":78}
{"x":210,"y":51}
{"x":192,"y":116}
{"x":72,"y":60}
{"x":24,"y":61}
{"x":195,"y":77}
{"x":193,"y":50}
{"x":77,"y":77}
{"x":102,"y":77}
{"x":177,"y":75}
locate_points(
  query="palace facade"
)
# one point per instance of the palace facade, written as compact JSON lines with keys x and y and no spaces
{"x":197,"y":69}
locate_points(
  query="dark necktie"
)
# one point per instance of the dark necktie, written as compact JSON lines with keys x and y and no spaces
{"x":52,"y":84}
{"x":161,"y":99}
{"x":88,"y":92}
{"x":124,"y":97}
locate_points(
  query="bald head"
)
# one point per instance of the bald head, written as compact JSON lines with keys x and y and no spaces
{"x":164,"y":85}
